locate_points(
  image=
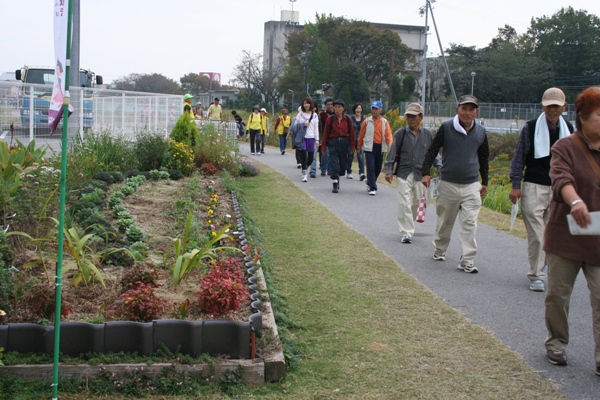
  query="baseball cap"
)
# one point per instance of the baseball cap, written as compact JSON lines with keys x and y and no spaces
{"x":340,"y":102}
{"x":188,"y":96}
{"x":468,"y":99}
{"x":376,"y":104}
{"x":414,"y":109}
{"x":553,"y":97}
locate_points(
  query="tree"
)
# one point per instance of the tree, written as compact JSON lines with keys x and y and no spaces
{"x":259,"y":84}
{"x":570,"y":42}
{"x":194,"y":83}
{"x":505,"y":70}
{"x":333,"y":47}
{"x":152,"y":83}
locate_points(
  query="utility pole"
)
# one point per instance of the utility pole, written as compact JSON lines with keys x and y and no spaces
{"x":424,"y":9}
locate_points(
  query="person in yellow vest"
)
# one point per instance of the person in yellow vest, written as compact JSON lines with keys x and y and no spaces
{"x":282,"y":127}
{"x":254,"y":126}
{"x":264,"y":129}
{"x":187,"y":105}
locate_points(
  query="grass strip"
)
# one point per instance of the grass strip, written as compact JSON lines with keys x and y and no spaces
{"x":371,"y":330}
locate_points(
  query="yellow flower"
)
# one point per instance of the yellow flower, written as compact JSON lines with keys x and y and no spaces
{"x":214,"y":233}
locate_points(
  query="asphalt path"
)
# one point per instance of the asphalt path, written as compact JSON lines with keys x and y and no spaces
{"x":497,"y":298}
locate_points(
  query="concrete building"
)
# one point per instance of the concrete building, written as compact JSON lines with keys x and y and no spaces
{"x":276,"y":33}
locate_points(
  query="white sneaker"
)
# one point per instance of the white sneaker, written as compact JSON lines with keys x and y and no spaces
{"x":349,"y":176}
{"x":304,"y":178}
{"x":372,"y":192}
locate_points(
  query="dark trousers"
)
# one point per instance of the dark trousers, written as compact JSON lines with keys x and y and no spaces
{"x":263,"y":139}
{"x":254,"y":137}
{"x":306,"y":158}
{"x":374,"y":161}
{"x":338,"y":150}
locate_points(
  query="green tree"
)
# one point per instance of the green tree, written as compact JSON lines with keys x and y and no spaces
{"x":193,"y":83}
{"x":569,"y":41}
{"x":334,"y":48}
{"x":152,"y":83}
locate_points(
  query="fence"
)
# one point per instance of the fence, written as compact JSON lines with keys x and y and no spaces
{"x":24,"y":107}
{"x":495,"y":116}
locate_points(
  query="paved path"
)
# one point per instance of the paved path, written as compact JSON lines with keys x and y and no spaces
{"x":497,"y":298}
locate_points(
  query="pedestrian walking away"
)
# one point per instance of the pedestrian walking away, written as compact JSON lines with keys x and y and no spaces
{"x":464,"y":158}
{"x":338,"y":138}
{"x":531,"y":164}
{"x":239,"y":123}
{"x":407,"y":153}
{"x":282,"y":127}
{"x":264,"y":129}
{"x":375,"y":138}
{"x":357,"y":119}
{"x":575,"y":174}
{"x":254,"y":126}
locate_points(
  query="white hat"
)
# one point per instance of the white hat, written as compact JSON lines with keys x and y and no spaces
{"x":263,"y":110}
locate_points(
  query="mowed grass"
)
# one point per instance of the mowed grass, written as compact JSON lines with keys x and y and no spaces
{"x":372,"y":331}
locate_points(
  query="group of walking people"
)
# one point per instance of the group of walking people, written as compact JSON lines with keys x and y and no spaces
{"x":555,"y":172}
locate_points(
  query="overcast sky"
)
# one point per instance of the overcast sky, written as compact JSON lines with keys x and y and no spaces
{"x":175,"y":37}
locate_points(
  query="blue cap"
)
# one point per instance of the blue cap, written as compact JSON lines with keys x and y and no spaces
{"x":376,"y":104}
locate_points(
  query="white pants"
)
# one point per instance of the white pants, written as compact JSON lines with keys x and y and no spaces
{"x":409,"y":194}
{"x":463,"y":200}
{"x":535,"y":207}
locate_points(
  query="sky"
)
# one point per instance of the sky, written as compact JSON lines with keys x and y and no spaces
{"x":175,"y":37}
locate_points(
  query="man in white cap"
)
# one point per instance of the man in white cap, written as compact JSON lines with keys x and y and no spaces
{"x":531,"y":163}
{"x":408,"y":148}
{"x":464,"y":159}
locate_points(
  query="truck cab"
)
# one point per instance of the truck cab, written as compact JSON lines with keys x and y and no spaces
{"x":34,"y":104}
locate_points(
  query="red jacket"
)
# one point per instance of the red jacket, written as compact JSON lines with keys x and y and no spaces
{"x":338,"y":128}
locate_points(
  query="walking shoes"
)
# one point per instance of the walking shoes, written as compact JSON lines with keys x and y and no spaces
{"x":558,"y":357}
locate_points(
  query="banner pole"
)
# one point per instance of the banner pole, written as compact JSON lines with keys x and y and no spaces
{"x":61,"y":220}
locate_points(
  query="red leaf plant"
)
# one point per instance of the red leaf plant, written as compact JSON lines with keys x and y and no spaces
{"x":222,"y":288}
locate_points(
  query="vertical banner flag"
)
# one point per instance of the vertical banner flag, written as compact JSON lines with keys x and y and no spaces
{"x":61,"y":20}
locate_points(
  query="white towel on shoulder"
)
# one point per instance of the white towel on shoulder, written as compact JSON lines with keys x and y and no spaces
{"x":541,"y":136}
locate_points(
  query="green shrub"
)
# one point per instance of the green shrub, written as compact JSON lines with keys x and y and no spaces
{"x":149,"y":149}
{"x":179,"y":156}
{"x":102,"y":151}
{"x":105,"y":177}
{"x":175,"y":174}
{"x":117,"y":176}
{"x":127,"y":190}
{"x":6,"y":253}
{"x":98,"y":184}
{"x":214,"y":148}
{"x":185,"y":131}
{"x":132,"y":173}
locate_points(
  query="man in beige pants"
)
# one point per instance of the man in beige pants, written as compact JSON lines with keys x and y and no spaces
{"x":531,"y":163}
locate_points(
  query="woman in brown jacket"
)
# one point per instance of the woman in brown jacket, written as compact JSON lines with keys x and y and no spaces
{"x":575,"y":191}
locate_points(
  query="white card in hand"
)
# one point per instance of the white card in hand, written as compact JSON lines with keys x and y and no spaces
{"x":590,"y":229}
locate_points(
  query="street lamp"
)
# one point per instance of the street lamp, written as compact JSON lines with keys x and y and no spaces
{"x":472,"y":82}
{"x":290,"y":90}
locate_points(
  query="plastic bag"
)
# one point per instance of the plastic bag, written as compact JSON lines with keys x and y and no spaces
{"x":422,"y":209}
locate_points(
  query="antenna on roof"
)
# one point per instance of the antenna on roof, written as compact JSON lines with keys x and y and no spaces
{"x":292,"y":2}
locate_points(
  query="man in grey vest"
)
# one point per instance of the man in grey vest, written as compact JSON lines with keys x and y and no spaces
{"x":464,"y":159}
{"x":409,"y":147}
{"x":533,"y":156}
